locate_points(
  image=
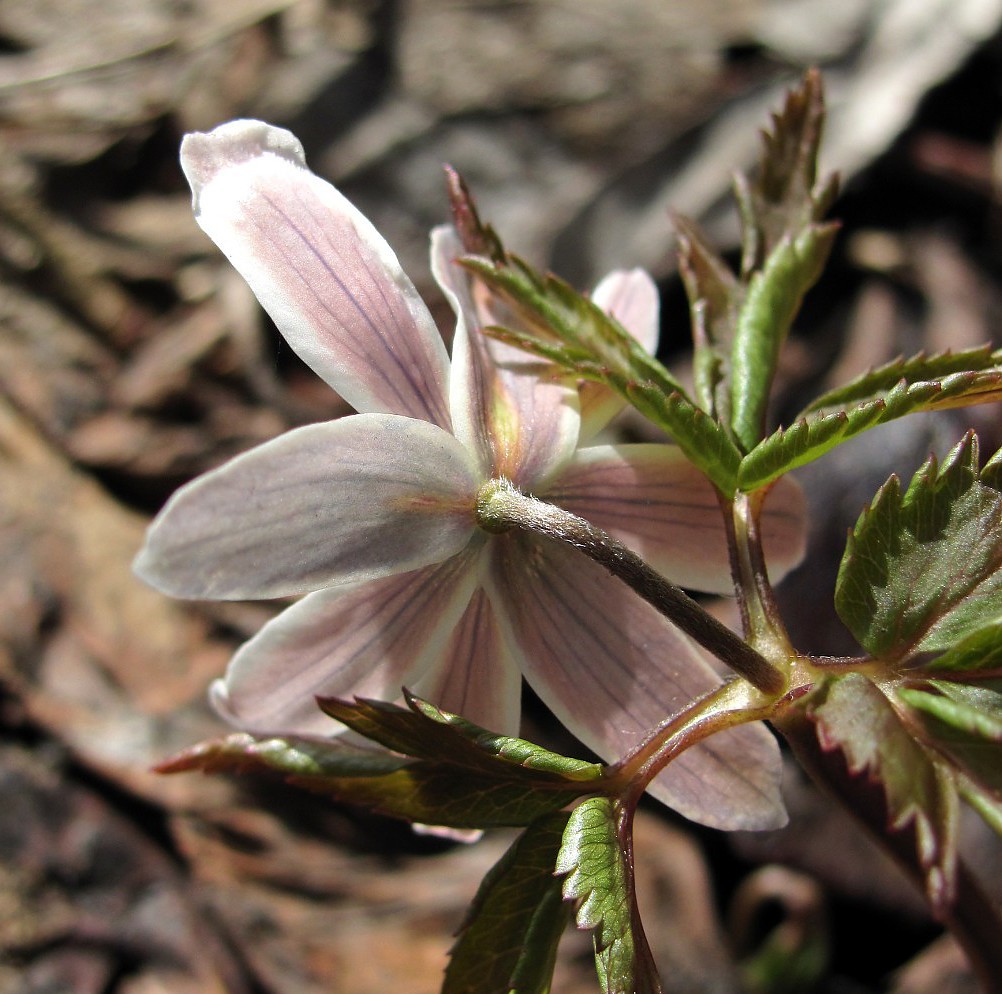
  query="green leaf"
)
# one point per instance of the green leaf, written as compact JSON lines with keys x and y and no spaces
{"x":598,"y":880}
{"x":818,"y":432}
{"x":854,"y":716}
{"x":987,"y":805}
{"x":458,"y":774}
{"x":964,"y":723}
{"x":566,"y":328}
{"x":978,"y":652}
{"x":714,"y":298}
{"x":921,"y":368}
{"x":772,"y":300}
{"x":426,"y":732}
{"x":921,"y":570}
{"x":508,"y":943}
{"x":784,"y":196}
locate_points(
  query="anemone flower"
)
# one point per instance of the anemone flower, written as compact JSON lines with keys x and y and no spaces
{"x":373,"y":516}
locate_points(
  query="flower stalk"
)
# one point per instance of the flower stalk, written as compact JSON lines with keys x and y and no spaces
{"x":501,"y":506}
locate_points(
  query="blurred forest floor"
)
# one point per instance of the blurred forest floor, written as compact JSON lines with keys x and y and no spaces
{"x":133,"y":358}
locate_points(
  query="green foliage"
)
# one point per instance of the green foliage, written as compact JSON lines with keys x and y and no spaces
{"x":567,"y":329}
{"x":508,"y":942}
{"x":457,"y":774}
{"x":599,"y":881}
{"x":963,"y":723}
{"x":784,"y":197}
{"x":818,"y":432}
{"x":784,"y":249}
{"x":856,"y":717}
{"x":921,"y":569}
{"x":771,"y":302}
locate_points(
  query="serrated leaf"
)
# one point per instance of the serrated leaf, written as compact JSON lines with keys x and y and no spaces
{"x":426,"y":732}
{"x":816,"y":433}
{"x":921,"y":570}
{"x":508,"y":943}
{"x":566,"y":328}
{"x":854,"y":716}
{"x":977,"y":653}
{"x":972,"y":709}
{"x":426,"y":791}
{"x":921,"y":368}
{"x":451,"y":772}
{"x":770,"y":304}
{"x":784,"y":196}
{"x":294,"y":756}
{"x":598,"y":880}
{"x":964,"y":723}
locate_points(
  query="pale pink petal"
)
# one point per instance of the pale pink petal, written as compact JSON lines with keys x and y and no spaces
{"x":655,"y":501}
{"x":611,"y":669}
{"x":506,"y":406}
{"x":476,"y":676}
{"x":349,"y":500}
{"x":324,"y":274}
{"x":366,"y":640}
{"x":631,"y":297}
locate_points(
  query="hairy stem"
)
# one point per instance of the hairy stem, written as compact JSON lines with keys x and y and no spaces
{"x":501,"y":506}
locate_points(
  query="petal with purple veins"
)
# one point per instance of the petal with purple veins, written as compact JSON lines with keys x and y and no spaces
{"x":655,"y":501}
{"x":368,"y":640}
{"x":476,"y":675}
{"x":348,"y":500}
{"x":328,"y":279}
{"x":611,"y":669}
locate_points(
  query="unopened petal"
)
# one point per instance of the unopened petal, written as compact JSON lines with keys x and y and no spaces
{"x":507,"y":406}
{"x":348,"y":500}
{"x":631,"y":297}
{"x":366,"y":640}
{"x":659,"y":504}
{"x":324,"y":274}
{"x":612,"y":669}
{"x":476,"y":675}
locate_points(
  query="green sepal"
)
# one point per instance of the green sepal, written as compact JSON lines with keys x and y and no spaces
{"x":921,"y":569}
{"x":770,"y":304}
{"x":821,"y":430}
{"x":854,"y":716}
{"x":567,"y":329}
{"x":508,"y":942}
{"x":598,"y":880}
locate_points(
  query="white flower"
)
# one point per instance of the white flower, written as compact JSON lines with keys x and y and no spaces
{"x":373,"y":515}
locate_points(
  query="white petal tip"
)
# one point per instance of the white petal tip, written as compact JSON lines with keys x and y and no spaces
{"x":205,"y":154}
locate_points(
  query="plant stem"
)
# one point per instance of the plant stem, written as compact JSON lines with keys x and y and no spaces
{"x":501,"y":506}
{"x":733,"y":704}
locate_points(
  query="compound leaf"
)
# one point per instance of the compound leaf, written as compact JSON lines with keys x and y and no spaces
{"x":822,"y":428}
{"x":450,"y":773}
{"x":598,"y":880}
{"x":921,"y":569}
{"x":508,"y":943}
{"x":854,"y":716}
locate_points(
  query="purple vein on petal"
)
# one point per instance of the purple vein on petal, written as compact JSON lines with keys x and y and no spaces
{"x":367,"y":640}
{"x":611,"y":669}
{"x":329,"y":280}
